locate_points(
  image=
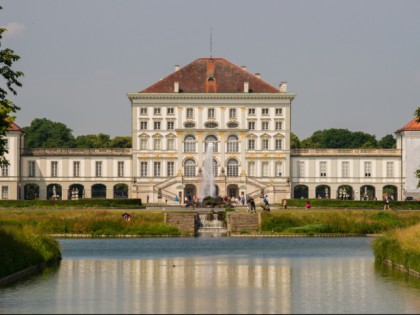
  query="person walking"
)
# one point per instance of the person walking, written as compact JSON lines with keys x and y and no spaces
{"x":386,"y":203}
{"x":308,"y":205}
{"x":284,"y":203}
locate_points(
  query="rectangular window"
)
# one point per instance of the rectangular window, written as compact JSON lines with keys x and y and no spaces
{"x":210,"y":113}
{"x":156,"y":169}
{"x":190,"y":113}
{"x":251,"y":144}
{"x":251,"y":168}
{"x":156,"y":125}
{"x":31,"y":168}
{"x":264,"y":169}
{"x":251,"y":111}
{"x":265,"y":144}
{"x":156,"y":144}
{"x":171,"y":144}
{"x":143,"y":110}
{"x":143,"y":144}
{"x":232,"y":113}
{"x":345,"y":169}
{"x":323,"y":169}
{"x":171,"y":168}
{"x":120,"y":168}
{"x":4,"y":192}
{"x":278,"y":144}
{"x":5,"y":170}
{"x":264,"y":125}
{"x":170,"y":125}
{"x":156,"y":111}
{"x":170,"y":111}
{"x":389,"y":169}
{"x":279,"y":169}
{"x":279,"y":111}
{"x":264,"y":111}
{"x":76,"y":168}
{"x":143,"y":169}
{"x":54,"y":167}
{"x":279,"y":125}
{"x":301,"y":169}
{"x":368,"y":169}
{"x":98,"y":168}
{"x":6,"y":143}
{"x":143,"y":125}
{"x":251,"y":125}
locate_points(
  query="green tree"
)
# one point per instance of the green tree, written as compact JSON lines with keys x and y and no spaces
{"x":417,"y":114}
{"x":121,"y":142}
{"x":93,"y":141}
{"x":44,"y":133}
{"x":387,"y":142}
{"x":7,"y":106}
{"x":294,"y":141}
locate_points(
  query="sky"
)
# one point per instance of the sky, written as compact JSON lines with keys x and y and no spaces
{"x":353,"y":64}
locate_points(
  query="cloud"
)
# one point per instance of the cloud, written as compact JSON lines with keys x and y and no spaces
{"x":13,"y":29}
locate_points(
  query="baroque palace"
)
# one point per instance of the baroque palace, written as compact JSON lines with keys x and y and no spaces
{"x":248,"y":122}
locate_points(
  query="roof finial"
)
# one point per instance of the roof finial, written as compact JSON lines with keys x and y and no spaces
{"x":211,"y":42}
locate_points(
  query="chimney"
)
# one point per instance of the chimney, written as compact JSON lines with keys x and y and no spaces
{"x":283,"y":87}
{"x":243,"y":68}
{"x":176,"y":68}
{"x":246,"y":87}
{"x":258,"y":75}
{"x":176,"y":87}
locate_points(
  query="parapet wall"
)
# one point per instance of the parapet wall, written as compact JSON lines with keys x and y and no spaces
{"x":237,"y":222}
{"x":185,"y":222}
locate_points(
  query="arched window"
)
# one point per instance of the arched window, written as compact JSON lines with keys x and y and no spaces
{"x":232,"y":168}
{"x":232,"y":144}
{"x":189,"y":144}
{"x":212,"y":139}
{"x":189,"y":167}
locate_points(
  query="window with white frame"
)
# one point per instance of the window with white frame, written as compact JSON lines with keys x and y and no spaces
{"x":279,"y":111}
{"x":368,"y":169}
{"x":232,"y":113}
{"x":156,"y":125}
{"x":264,"y":169}
{"x":190,"y":113}
{"x":143,"y":144}
{"x":278,"y":169}
{"x":232,"y":168}
{"x":170,"y":125}
{"x":264,"y":125}
{"x":264,"y":111}
{"x":4,"y":192}
{"x":232,"y":144}
{"x":215,"y":168}
{"x":301,"y":168}
{"x":143,"y":169}
{"x":189,"y":168}
{"x":389,"y":169}
{"x":170,"y":111}
{"x":189,"y":144}
{"x":278,"y":144}
{"x":5,"y":170}
{"x":156,"y":169}
{"x":156,"y":144}
{"x":31,"y":168}
{"x":211,"y":139}
{"x":251,"y":125}
{"x":251,"y":168}
{"x":170,"y":168}
{"x":54,"y":168}
{"x":6,"y":143}
{"x":156,"y":111}
{"x":279,"y":125}
{"x":251,"y":111}
{"x":265,"y":144}
{"x":171,"y":144}
{"x":98,"y":168}
{"x":251,"y":144}
{"x":210,"y":113}
{"x":345,"y":169}
{"x":120,"y":168}
{"x":143,"y":125}
{"x":323,"y":168}
{"x":76,"y":168}
{"x":143,"y":110}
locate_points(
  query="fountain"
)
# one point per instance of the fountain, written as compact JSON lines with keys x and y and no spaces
{"x":208,"y":189}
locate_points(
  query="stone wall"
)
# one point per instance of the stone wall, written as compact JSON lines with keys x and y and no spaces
{"x":237,"y":222}
{"x":185,"y":222}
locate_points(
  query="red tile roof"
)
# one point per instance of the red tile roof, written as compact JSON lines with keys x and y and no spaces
{"x":14,"y":127}
{"x":211,"y":75}
{"x":411,"y":126}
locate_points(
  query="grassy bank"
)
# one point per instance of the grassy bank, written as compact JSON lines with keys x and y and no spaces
{"x":400,"y":246}
{"x":23,"y":247}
